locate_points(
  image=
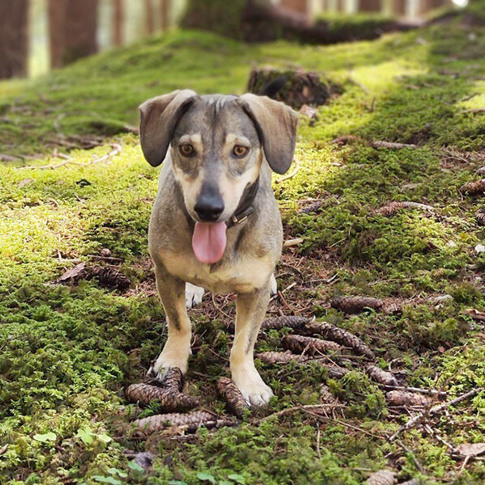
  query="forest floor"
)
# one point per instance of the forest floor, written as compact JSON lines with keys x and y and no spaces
{"x":74,"y":185}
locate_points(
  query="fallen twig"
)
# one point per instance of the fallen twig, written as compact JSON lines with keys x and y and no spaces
{"x":116,"y":149}
{"x":439,"y":408}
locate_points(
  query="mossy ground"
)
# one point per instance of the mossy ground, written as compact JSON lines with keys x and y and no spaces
{"x":67,"y":351}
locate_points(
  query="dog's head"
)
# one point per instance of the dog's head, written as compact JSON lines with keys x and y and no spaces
{"x":217,"y":146}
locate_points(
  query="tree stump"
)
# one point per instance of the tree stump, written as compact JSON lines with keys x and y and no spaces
{"x":294,"y":88}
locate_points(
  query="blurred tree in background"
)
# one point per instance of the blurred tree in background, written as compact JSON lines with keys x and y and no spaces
{"x":13,"y":38}
{"x":72,"y":30}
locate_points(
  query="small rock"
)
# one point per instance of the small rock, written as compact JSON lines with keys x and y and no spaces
{"x":480,"y":248}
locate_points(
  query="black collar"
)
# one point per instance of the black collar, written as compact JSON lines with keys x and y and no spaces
{"x":245,"y":207}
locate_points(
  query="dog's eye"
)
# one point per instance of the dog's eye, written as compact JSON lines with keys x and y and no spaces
{"x":240,"y":151}
{"x":186,"y":150}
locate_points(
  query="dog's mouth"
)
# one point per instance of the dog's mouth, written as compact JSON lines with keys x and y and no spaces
{"x":209,"y":241}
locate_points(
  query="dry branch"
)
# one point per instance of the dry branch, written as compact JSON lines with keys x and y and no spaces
{"x":170,"y":399}
{"x":381,"y":376}
{"x":308,"y":345}
{"x":356,"y":304}
{"x":189,"y":421}
{"x":439,"y":408}
{"x":228,"y":390}
{"x":343,"y":337}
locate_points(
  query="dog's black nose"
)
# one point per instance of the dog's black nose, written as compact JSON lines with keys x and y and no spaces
{"x":209,"y":205}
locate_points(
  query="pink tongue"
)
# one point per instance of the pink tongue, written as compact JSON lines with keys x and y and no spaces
{"x":209,"y":241}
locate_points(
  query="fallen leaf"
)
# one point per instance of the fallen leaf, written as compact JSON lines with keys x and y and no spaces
{"x":471,"y":449}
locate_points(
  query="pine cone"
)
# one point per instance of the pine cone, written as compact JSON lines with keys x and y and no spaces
{"x":313,"y":207}
{"x":309,"y":345}
{"x":405,"y":398}
{"x":389,"y":209}
{"x":356,"y":304}
{"x":381,"y":376}
{"x":340,"y":336}
{"x":174,"y":379}
{"x":480,"y":216}
{"x":291,"y":321}
{"x":280,"y":357}
{"x":109,"y":277}
{"x":235,"y":400}
{"x":473,"y":188}
{"x":170,"y":399}
{"x":191,"y":420}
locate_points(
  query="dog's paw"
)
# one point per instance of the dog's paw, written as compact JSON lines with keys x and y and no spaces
{"x":166,"y":360}
{"x":193,"y":295}
{"x":273,"y":286}
{"x":254,"y":390}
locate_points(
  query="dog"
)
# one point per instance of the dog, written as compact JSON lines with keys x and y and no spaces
{"x":215,"y":223}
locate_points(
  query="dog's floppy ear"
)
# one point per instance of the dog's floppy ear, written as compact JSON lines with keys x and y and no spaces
{"x":276,"y":125}
{"x":158,"y":118}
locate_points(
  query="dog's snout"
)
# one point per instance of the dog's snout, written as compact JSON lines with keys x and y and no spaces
{"x":209,"y":205}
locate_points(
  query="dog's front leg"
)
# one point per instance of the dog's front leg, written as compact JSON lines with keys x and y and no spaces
{"x":176,"y":351}
{"x":250,"y":311}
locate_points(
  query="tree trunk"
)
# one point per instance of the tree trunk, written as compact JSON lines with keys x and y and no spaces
{"x":370,"y":5}
{"x":72,"y":30}
{"x":149,"y":17}
{"x":164,"y":13}
{"x":118,"y":20}
{"x":13,"y":38}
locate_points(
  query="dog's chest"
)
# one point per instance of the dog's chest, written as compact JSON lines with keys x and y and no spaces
{"x":230,"y":276}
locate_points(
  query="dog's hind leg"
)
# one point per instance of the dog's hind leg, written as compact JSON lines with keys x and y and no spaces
{"x":176,"y":351}
{"x":250,"y":311}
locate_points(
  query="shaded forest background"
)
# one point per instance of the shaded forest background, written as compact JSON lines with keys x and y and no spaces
{"x":36,"y":35}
